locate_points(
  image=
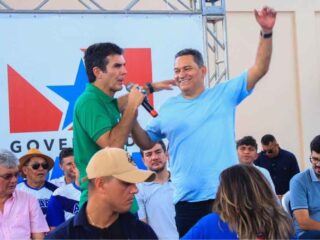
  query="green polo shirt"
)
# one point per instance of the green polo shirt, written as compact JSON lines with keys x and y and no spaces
{"x":94,"y":114}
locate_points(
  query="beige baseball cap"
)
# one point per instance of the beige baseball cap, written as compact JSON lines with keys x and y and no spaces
{"x":117,"y":163}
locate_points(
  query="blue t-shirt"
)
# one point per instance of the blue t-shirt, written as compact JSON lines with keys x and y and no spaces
{"x":210,"y":227}
{"x":201,"y":137}
{"x":63,"y":204}
{"x":305,"y":194}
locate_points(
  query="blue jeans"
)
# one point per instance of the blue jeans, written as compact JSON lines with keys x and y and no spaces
{"x":189,"y":213}
{"x":311,"y":234}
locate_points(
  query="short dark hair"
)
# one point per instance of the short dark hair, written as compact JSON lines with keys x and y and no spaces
{"x":65,"y":152}
{"x":248,"y":141}
{"x":163,"y":146}
{"x":268,"y":138}
{"x":197,"y":56}
{"x":315,"y":144}
{"x":96,"y":56}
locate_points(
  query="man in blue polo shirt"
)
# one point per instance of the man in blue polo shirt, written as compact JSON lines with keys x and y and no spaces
{"x":305,"y":196}
{"x":199,"y":124}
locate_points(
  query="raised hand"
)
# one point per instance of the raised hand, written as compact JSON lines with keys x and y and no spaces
{"x":266,"y":18}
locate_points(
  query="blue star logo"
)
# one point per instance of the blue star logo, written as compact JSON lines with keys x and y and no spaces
{"x":72,"y":92}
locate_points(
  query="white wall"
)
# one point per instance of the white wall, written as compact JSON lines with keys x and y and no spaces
{"x":285,"y":102}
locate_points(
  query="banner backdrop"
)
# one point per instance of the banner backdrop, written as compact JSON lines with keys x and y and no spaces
{"x":42,"y":70}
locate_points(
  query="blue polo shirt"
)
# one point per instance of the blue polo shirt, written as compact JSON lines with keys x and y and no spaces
{"x":125,"y":227}
{"x":305,"y":194}
{"x":200,"y":132}
{"x":281,"y":168}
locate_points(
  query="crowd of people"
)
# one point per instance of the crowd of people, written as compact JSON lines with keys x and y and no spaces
{"x":215,"y":187}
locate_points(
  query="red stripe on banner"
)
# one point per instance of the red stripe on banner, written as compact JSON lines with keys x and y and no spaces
{"x":30,"y":111}
{"x":139,"y":66}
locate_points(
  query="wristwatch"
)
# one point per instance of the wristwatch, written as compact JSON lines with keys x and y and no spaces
{"x":265,"y":35}
{"x":150,"y":88}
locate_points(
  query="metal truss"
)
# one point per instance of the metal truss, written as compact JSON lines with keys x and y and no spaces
{"x":213,"y":12}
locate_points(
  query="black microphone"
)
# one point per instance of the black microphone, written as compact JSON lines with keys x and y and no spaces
{"x":145,"y":103}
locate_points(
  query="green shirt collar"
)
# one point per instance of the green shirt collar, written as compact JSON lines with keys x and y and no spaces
{"x":97,"y":91}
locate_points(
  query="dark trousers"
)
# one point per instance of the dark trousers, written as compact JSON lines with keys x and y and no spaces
{"x":188,"y":213}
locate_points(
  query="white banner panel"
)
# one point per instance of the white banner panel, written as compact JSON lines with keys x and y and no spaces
{"x":42,"y":72}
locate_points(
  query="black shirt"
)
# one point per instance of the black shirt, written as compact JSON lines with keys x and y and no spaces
{"x":281,"y":168}
{"x":127,"y":226}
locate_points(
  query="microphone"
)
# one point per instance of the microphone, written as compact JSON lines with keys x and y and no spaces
{"x":145,"y":103}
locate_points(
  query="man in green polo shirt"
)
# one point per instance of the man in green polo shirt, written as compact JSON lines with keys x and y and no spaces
{"x":99,"y":119}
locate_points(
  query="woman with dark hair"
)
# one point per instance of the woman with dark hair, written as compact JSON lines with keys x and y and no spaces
{"x":245,"y":208}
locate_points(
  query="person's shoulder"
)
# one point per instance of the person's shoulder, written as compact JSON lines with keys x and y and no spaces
{"x":20,"y":185}
{"x":301,"y":177}
{"x":128,"y":217}
{"x":287,"y":153}
{"x":212,"y":217}
{"x":261,"y":157}
{"x":171,"y":100}
{"x":262,"y":169}
{"x":24,"y":196}
{"x":87,"y":97}
{"x":63,"y":231}
{"x":141,"y":186}
{"x":50,"y":186}
{"x":61,"y":190}
{"x":241,"y":77}
{"x":134,"y":225}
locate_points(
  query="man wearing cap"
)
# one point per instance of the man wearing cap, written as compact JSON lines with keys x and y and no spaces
{"x":20,"y":214}
{"x":34,"y":167}
{"x":112,"y":185}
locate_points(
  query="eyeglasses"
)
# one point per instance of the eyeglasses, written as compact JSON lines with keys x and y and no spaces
{"x":315,"y":160}
{"x":36,"y":166}
{"x":9,"y":176}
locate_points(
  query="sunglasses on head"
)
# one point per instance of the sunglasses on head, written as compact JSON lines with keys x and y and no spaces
{"x":269,"y":151}
{"x":36,"y":166}
{"x":9,"y":176}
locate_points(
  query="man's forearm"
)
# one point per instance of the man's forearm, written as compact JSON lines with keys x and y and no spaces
{"x":118,"y":135}
{"x":263,"y":57}
{"x":309,"y":224}
{"x":304,"y":220}
{"x":262,"y":62}
{"x":140,"y":137}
